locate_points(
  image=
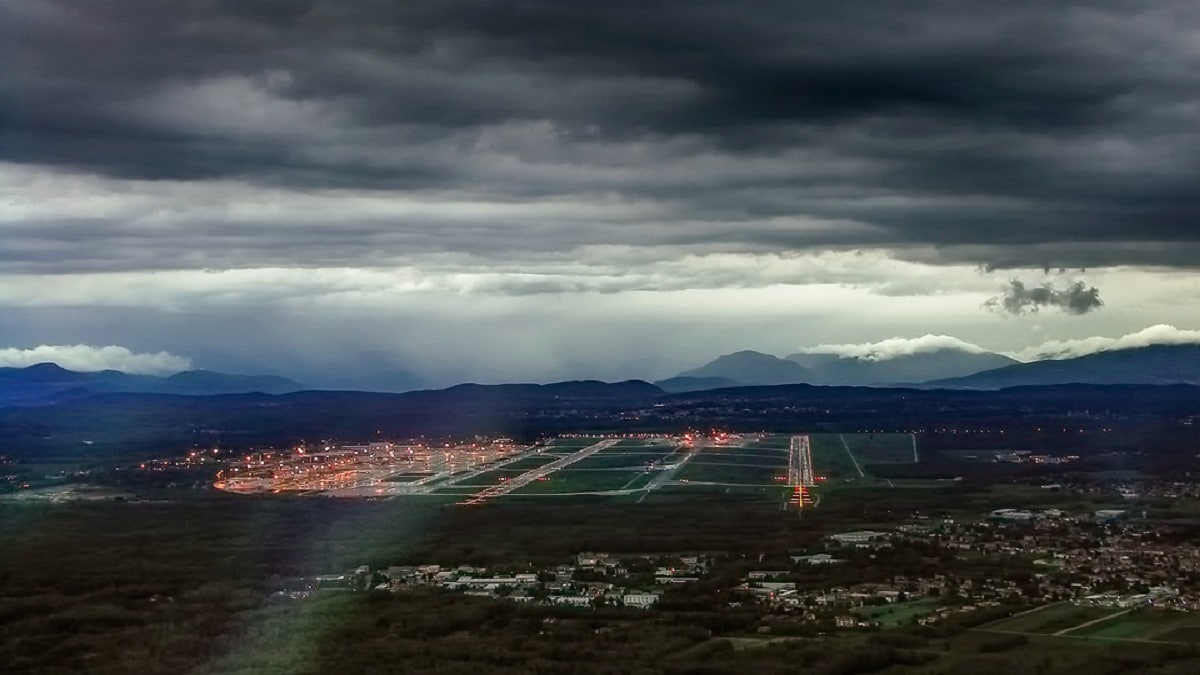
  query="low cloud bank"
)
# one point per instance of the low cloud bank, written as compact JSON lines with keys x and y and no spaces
{"x":895,"y":347}
{"x":1159,"y":334}
{"x":89,"y":358}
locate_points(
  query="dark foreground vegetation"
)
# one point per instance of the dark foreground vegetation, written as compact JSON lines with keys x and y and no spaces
{"x":188,"y":586}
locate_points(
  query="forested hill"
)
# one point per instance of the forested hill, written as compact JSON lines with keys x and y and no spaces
{"x":129,"y":423}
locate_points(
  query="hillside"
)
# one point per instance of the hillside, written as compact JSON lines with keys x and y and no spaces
{"x":940,"y":364}
{"x":47,"y":383}
{"x":1156,"y":364}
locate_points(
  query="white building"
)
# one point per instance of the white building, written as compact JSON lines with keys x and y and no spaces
{"x":857,"y":536}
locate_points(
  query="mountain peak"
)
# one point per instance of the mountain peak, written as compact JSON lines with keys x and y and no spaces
{"x":750,"y":367}
{"x":45,"y":367}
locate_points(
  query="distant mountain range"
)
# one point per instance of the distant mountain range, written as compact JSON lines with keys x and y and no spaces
{"x":943,"y":363}
{"x":49,"y":383}
{"x":1156,"y":364}
{"x":756,"y":368}
{"x":945,"y":368}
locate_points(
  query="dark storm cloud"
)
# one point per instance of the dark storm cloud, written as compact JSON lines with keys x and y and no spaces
{"x":1074,"y":298}
{"x":1016,"y":134}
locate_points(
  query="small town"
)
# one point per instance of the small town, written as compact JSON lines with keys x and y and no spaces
{"x":1006,"y":561}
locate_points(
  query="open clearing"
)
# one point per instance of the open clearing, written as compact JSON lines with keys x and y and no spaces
{"x":882,"y":448}
{"x":1066,"y":620}
{"x":1049,"y":619}
{"x":898,"y":614}
{"x":569,"y":481}
{"x":846,"y":459}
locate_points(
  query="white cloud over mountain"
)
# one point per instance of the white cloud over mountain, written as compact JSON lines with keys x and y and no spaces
{"x":896,"y":347}
{"x":1159,"y":334}
{"x":88,"y":358}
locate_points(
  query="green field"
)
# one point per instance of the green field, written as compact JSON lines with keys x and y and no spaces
{"x":717,"y":472}
{"x":489,"y":478}
{"x":568,"y":481}
{"x":742,"y":456}
{"x":694,"y":493}
{"x":1050,"y":619}
{"x":1066,"y":620}
{"x":569,"y":445}
{"x":898,"y":614}
{"x":774,"y":442}
{"x":607,"y":460}
{"x":830,"y":458}
{"x":846,"y":459}
{"x":530,"y":462}
{"x":644,"y":443}
{"x":1145,"y":624}
{"x":881,"y":448}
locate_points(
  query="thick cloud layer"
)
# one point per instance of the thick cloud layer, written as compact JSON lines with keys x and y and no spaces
{"x":1016,"y":134}
{"x":535,"y":190}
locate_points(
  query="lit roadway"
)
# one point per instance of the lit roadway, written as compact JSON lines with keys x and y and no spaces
{"x":800,"y":470}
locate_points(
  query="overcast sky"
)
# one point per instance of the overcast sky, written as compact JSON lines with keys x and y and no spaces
{"x":541,"y":190}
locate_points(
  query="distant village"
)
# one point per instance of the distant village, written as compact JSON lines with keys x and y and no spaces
{"x":1106,"y":557}
{"x":590,"y":580}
